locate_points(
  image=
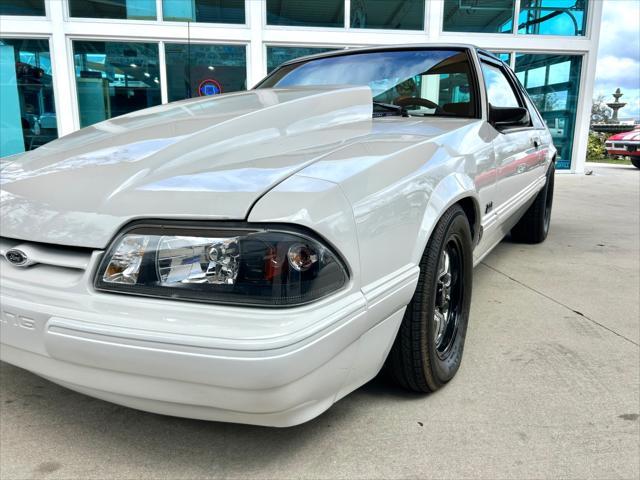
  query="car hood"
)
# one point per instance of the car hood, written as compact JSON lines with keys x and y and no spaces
{"x":201,"y":159}
{"x":208,"y":158}
{"x":633,"y":135}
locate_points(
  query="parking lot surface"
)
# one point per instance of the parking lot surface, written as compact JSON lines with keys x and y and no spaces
{"x":548,"y":388}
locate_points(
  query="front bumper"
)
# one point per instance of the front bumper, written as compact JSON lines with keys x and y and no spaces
{"x":629,"y":148}
{"x":268,"y":367}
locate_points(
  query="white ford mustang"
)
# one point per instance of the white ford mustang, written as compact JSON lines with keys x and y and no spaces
{"x":253,"y":257}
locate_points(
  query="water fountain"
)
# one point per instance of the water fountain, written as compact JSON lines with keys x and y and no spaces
{"x":613,"y":124}
{"x":615,"y":106}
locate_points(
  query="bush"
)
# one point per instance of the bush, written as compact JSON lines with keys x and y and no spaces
{"x":595,"y":146}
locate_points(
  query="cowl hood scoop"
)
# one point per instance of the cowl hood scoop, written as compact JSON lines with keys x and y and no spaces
{"x":208,"y":158}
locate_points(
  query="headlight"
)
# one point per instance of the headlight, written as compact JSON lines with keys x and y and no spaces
{"x":270,"y":267}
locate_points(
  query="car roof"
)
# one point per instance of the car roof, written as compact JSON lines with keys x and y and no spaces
{"x":382,"y":48}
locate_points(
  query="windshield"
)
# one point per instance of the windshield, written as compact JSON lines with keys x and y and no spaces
{"x":407,"y":82}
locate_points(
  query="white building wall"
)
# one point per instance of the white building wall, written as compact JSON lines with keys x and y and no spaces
{"x":61,"y":30}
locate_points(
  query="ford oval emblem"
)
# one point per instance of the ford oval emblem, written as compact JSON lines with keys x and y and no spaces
{"x":16,"y":257}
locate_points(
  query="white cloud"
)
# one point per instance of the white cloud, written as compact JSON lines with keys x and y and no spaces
{"x":618,"y":63}
{"x":619,"y":34}
{"x":622,"y":71}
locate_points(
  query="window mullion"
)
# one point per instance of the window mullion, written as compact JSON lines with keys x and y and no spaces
{"x":162,"y":60}
{"x":516,"y":16}
{"x":347,"y":14}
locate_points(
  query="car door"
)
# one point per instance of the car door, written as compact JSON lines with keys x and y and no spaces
{"x":517,"y":149}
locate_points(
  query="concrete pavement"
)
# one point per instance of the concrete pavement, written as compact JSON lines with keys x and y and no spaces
{"x":549,"y":386}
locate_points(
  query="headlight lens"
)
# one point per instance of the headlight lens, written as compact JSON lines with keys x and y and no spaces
{"x":221,"y":265}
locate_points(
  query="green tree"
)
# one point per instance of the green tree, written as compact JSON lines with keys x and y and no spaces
{"x":595,"y":146}
{"x":600,"y":113}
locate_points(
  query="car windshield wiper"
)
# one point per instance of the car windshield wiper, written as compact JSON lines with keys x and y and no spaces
{"x":392,"y":109}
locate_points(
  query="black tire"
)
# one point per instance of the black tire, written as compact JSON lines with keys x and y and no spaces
{"x":417,"y":360}
{"x":635,"y":161}
{"x":534,"y":225}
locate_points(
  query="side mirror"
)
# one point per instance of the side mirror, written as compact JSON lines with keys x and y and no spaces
{"x":508,"y":117}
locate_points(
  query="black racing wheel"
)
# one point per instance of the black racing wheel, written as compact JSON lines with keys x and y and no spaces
{"x":427,"y":351}
{"x":534,"y":225}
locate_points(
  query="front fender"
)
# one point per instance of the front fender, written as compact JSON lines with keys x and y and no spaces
{"x":450,"y":190}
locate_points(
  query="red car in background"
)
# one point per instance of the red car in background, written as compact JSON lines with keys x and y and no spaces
{"x":626,"y":144}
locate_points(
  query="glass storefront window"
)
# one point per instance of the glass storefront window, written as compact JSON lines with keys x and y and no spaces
{"x":552,"y":82}
{"x":119,"y":9}
{"x":388,"y":14}
{"x":114,"y":78}
{"x":204,"y":11}
{"x":31,"y":8}
{"x":28,"y":112}
{"x":505,"y":57}
{"x":553,"y":17}
{"x":321,"y":13}
{"x":278,"y":55}
{"x":202,"y":70}
{"x":486,"y":16}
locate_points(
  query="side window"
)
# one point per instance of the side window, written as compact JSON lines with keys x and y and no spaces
{"x":499,"y":90}
{"x":536,"y":118}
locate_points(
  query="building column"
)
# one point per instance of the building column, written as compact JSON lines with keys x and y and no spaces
{"x":62,"y":68}
{"x":257,"y":65}
{"x":583,"y":114}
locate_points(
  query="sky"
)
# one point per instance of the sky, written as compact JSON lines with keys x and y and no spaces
{"x":618,"y":62}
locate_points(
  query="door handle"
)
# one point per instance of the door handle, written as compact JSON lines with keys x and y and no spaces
{"x":536,"y":142}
